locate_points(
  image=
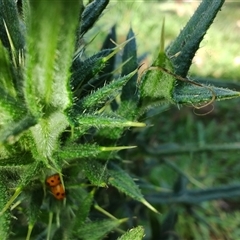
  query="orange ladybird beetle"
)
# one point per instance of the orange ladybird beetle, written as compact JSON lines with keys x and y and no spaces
{"x":58,"y":192}
{"x":53,"y":180}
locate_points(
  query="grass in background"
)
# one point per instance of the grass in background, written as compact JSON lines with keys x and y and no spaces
{"x":218,"y":56}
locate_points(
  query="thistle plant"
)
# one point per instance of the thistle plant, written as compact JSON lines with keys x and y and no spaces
{"x":65,"y":114}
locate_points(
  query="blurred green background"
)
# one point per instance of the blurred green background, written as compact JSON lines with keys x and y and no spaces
{"x":204,"y":149}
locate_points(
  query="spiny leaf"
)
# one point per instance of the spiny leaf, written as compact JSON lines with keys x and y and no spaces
{"x":136,"y":233}
{"x":102,"y":121}
{"x":5,"y":217}
{"x":187,"y":43}
{"x":95,"y":172}
{"x":48,"y":62}
{"x":6,"y":75}
{"x":8,"y":203}
{"x":83,"y":71}
{"x":82,"y":81}
{"x":105,"y":76}
{"x":124,"y":183}
{"x":9,"y":15}
{"x":91,"y":13}
{"x":190,"y":94}
{"x":157,"y":86}
{"x":99,"y":98}
{"x":129,"y":97}
{"x":87,"y":151}
{"x":46,"y":134}
{"x":19,"y":160}
{"x":10,"y":107}
{"x":79,"y":151}
{"x":83,"y":210}
{"x":29,"y":173}
{"x":34,"y":198}
{"x":97,"y":230}
{"x":129,"y":91}
{"x":11,"y":132}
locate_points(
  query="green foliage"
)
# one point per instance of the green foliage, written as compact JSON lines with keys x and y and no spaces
{"x":67,"y":113}
{"x":134,"y":234}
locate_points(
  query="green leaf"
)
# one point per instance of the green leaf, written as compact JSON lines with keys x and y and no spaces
{"x":136,"y":233}
{"x":10,"y":132}
{"x":95,"y":172}
{"x":81,"y":151}
{"x":5,"y":217}
{"x":17,"y":161}
{"x":10,"y":108}
{"x":157,"y":85}
{"x":34,"y":198}
{"x":27,"y":176}
{"x":102,"y":121}
{"x":46,"y":134}
{"x":83,"y":71}
{"x":6,"y":75}
{"x":192,"y":94}
{"x":91,"y":13}
{"x":129,"y":91}
{"x":124,"y":183}
{"x":82,"y":214}
{"x":11,"y":29}
{"x":184,"y":47}
{"x":49,"y":55}
{"x":103,"y":95}
{"x":130,"y":96}
{"x":97,"y":230}
{"x":30,"y":172}
{"x":106,"y":74}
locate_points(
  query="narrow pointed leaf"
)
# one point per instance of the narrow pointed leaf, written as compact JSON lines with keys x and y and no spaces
{"x":81,"y":151}
{"x":105,"y":94}
{"x":10,"y":133}
{"x":91,"y":13}
{"x":83,"y":211}
{"x":95,"y":172}
{"x":106,"y":74}
{"x":124,"y":183}
{"x":6,"y":81}
{"x":33,"y":211}
{"x":157,"y":85}
{"x":10,"y":107}
{"x":46,"y":133}
{"x":17,"y":161}
{"x":190,"y":94}
{"x":97,"y":230}
{"x":48,"y":61}
{"x":5,"y":217}
{"x":83,"y":71}
{"x":187,"y":43}
{"x":101,"y":121}
{"x":9,"y":15}
{"x":129,"y":91}
{"x":133,"y":234}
